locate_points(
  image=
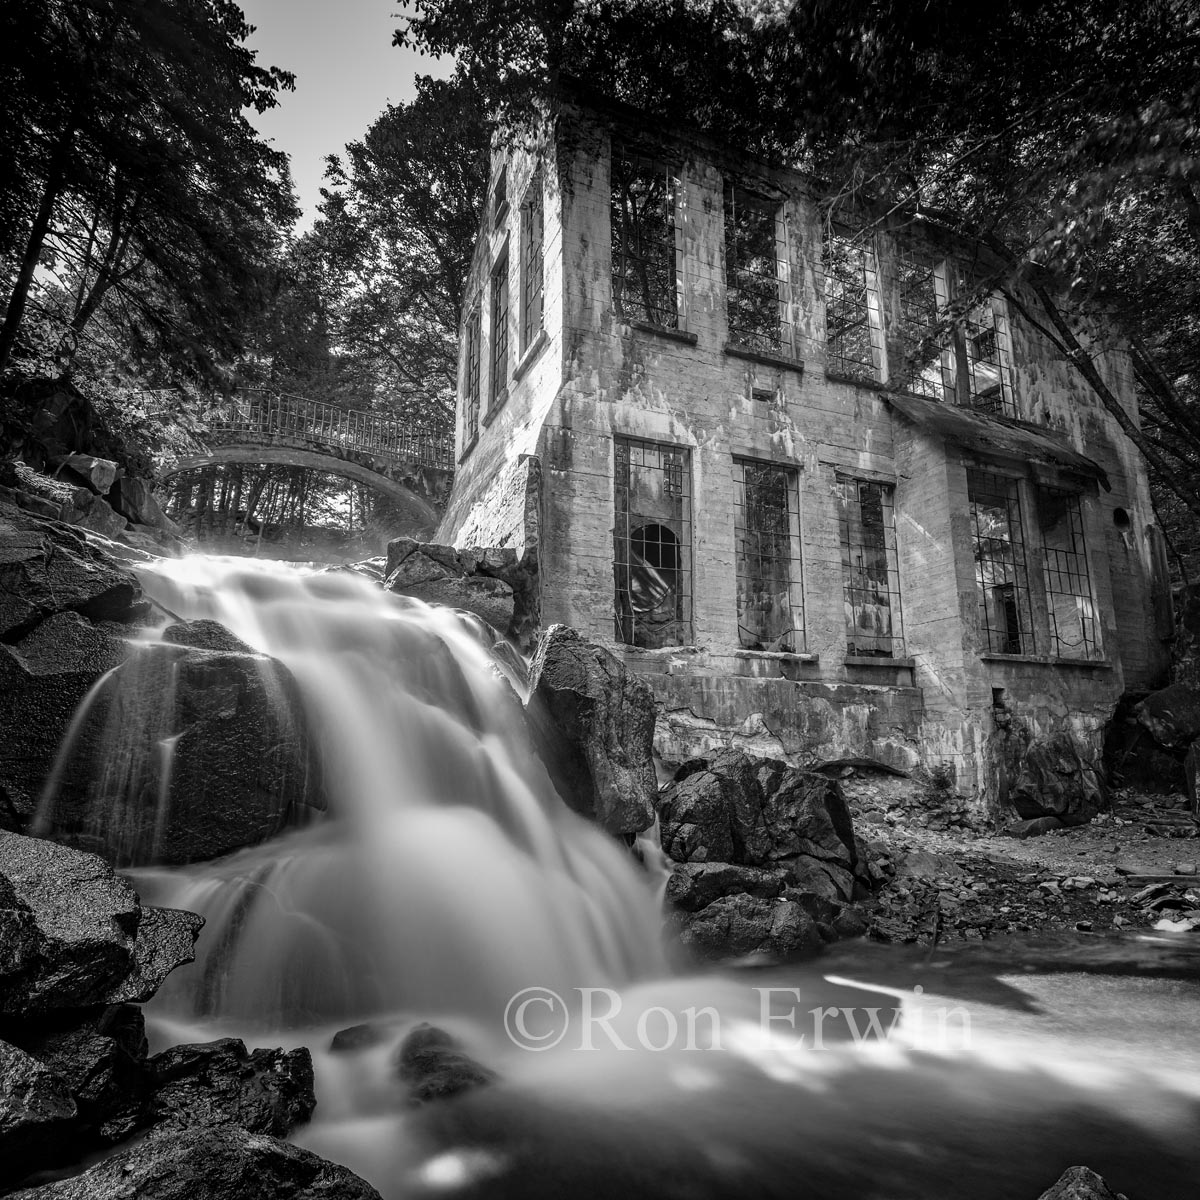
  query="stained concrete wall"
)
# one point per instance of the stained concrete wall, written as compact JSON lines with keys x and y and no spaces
{"x":599,"y":377}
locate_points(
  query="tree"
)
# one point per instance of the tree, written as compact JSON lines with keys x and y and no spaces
{"x":137,"y":179}
{"x":395,"y":236}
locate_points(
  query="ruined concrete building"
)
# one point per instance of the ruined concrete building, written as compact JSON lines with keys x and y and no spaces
{"x":716,"y":415}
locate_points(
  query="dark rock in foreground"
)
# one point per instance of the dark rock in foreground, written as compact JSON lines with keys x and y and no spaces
{"x":220,"y":1083}
{"x":593,"y":724}
{"x":767,"y":859}
{"x":36,"y":1111}
{"x":215,"y":1163}
{"x":73,"y":934}
{"x":434,"y":1066}
{"x":1080,"y":1183}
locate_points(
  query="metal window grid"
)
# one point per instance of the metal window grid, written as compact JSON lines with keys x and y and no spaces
{"x":770,"y":593}
{"x":755,"y":270}
{"x":1001,"y":575}
{"x":643,"y":239}
{"x":928,"y":367}
{"x":652,"y":543}
{"x":988,"y":370}
{"x":850,"y":346}
{"x":870,"y":568}
{"x":499,"y":379}
{"x":1074,"y":629}
{"x":471,"y":386}
{"x":531,"y":262}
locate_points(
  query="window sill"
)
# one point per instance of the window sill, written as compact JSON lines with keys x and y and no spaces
{"x":780,"y":656}
{"x":500,"y":401}
{"x":871,"y":660}
{"x":663,"y":331}
{"x":854,"y":380}
{"x":531,"y":355}
{"x":659,"y":651}
{"x":1047,"y":660}
{"x":760,"y":356}
{"x":468,"y":448}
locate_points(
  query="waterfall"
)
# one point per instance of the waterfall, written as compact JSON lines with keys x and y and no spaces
{"x":446,"y":875}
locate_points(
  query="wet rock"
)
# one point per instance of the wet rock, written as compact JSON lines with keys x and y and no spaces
{"x":99,"y":1059}
{"x":358,"y":1037}
{"x":205,"y":635}
{"x":69,"y":932}
{"x":1080,"y":1183}
{"x":742,"y":925}
{"x":101,"y":518}
{"x":219,"y":1083}
{"x":434,"y":1066}
{"x":221,"y":1163}
{"x":694,"y":885}
{"x":220,"y":731}
{"x":499,"y":585}
{"x":36,"y":1111}
{"x":134,"y":498}
{"x":593,"y":723}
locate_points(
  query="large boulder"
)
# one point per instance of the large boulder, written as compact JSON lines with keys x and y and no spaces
{"x":729,"y":807}
{"x":1172,"y":715}
{"x":213,"y":1163}
{"x":220,"y":1083}
{"x":499,"y":585}
{"x":194,"y":747}
{"x":742,"y":925}
{"x":1057,"y":776}
{"x":593,"y":722}
{"x":434,"y":1066}
{"x":47,"y":568}
{"x":73,"y":934}
{"x":693,"y":886}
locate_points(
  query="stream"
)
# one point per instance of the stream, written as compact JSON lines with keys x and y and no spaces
{"x":448,"y":883}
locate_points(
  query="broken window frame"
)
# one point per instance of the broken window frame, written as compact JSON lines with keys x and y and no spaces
{"x":851,"y":292}
{"x":1070,"y":600}
{"x":928,"y":363}
{"x":988,"y":383}
{"x":870,"y":567}
{"x":1005,"y":602}
{"x":766,"y":555}
{"x":757,"y":283}
{"x":498,"y":360}
{"x":645,"y":244}
{"x":652,"y":514}
{"x":532,"y":262}
{"x":471,"y":377}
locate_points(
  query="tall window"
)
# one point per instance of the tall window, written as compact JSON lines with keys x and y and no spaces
{"x":531,"y":263}
{"x":1005,"y":615}
{"x":498,"y":388}
{"x":870,"y":571}
{"x":852,"y":311}
{"x":1074,"y":631}
{"x":643,"y":239}
{"x":755,"y":270}
{"x":471,"y":382}
{"x":770,"y":596}
{"x":989,"y":376}
{"x":928,"y":367}
{"x":652,"y":534}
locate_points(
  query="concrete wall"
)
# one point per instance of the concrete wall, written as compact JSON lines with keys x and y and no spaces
{"x":599,"y":377}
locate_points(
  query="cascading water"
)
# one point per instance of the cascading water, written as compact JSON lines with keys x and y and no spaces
{"x":446,"y":877}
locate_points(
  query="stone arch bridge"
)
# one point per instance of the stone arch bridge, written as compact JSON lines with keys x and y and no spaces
{"x":413,"y":469}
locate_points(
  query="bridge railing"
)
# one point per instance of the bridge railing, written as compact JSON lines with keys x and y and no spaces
{"x":272,"y":415}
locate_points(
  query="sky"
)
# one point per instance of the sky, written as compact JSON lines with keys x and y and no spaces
{"x":347,"y":72}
